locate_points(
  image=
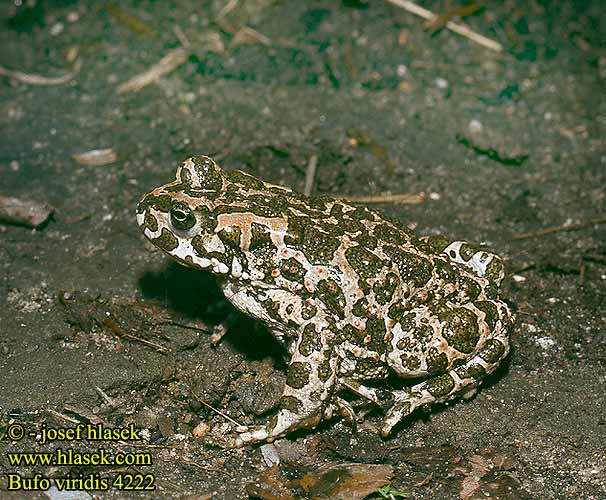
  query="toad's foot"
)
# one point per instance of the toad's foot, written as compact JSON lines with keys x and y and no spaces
{"x":462,"y":381}
{"x":307,"y":394}
{"x":283,"y":423}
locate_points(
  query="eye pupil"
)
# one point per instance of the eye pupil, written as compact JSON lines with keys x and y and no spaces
{"x":182,"y":217}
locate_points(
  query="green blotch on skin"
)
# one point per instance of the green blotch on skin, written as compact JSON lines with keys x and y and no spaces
{"x":468,"y":250}
{"x":384,"y":289}
{"x":319,"y":203}
{"x":446,"y":270}
{"x":206,"y":174}
{"x":232,"y":237}
{"x":319,"y":247}
{"x":491,"y":312}
{"x":360,"y":308}
{"x":436,"y":361}
{"x":422,"y":333}
{"x":391,"y":234}
{"x":492,"y":351}
{"x":259,"y":236}
{"x":166,"y":240}
{"x":473,"y":371}
{"x":336,"y":211}
{"x":362,"y":213}
{"x":409,"y":361}
{"x":310,"y":340}
{"x":160,"y":203}
{"x":292,"y":269}
{"x":366,"y":241}
{"x":197,"y":243}
{"x":397,"y":311}
{"x":440,"y":386}
{"x":351,"y":226}
{"x":470,"y":288}
{"x":364,"y":262}
{"x":369,"y":368}
{"x":375,"y":327}
{"x":295,"y":231}
{"x":308,"y":310}
{"x":494,"y":270}
{"x":353,"y":335}
{"x":291,"y":404}
{"x":273,"y":309}
{"x":412,"y":268}
{"x":150,"y":222}
{"x":331,"y":294}
{"x":324,"y":370}
{"x":298,"y":375}
{"x":243,"y":179}
{"x":438,"y":243}
{"x":460,"y":329}
{"x":272,"y":422}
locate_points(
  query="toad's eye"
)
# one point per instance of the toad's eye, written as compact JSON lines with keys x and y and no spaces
{"x":181,"y":216}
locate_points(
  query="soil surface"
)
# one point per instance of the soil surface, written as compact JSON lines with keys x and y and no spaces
{"x":98,"y":327}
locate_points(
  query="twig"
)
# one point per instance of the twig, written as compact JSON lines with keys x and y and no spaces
{"x":168,"y":63}
{"x":461,"y":29}
{"x":108,"y":400}
{"x":229,"y":6}
{"x":558,"y":229}
{"x":181,"y":36}
{"x":86,"y":414}
{"x":310,"y":175}
{"x":118,"y":330}
{"x":218,"y":412}
{"x":35,"y":79}
{"x":408,"y":199}
{"x":246,"y":34}
{"x":64,"y":417}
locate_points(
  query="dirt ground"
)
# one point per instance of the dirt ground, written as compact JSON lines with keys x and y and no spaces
{"x":508,"y":148}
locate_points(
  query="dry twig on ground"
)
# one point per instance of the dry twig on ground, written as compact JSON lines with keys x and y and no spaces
{"x":172,"y":60}
{"x":36,"y":79}
{"x":461,"y":29}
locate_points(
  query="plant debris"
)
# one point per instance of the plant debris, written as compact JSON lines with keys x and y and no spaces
{"x":127,"y":319}
{"x":559,"y":229}
{"x":132,"y":22}
{"x":96,"y":157}
{"x":171,"y":61}
{"x":440,"y":21}
{"x":24,"y":212}
{"x":403,"y":198}
{"x":36,"y":79}
{"x":461,"y":29}
{"x":493,"y":154}
{"x":337,"y":481}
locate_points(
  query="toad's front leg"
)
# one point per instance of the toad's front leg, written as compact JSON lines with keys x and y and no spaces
{"x":309,"y":386}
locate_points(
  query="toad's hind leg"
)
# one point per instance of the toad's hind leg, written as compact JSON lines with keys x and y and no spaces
{"x":309,"y":386}
{"x":460,"y":381}
{"x":482,"y":262}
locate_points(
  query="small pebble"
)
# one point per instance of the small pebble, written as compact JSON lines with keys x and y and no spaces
{"x":57,"y":29}
{"x":475,"y":126}
{"x":200,"y":430}
{"x":441,"y":83}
